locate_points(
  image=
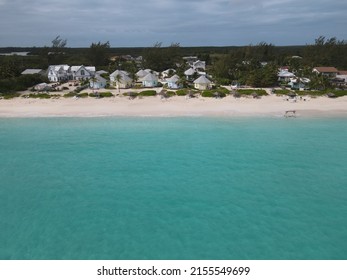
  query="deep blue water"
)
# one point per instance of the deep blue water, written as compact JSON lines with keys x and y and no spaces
{"x":173,"y":188}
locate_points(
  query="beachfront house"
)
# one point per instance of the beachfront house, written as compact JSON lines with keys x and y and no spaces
{"x":97,"y":82}
{"x":299,"y":83}
{"x":199,"y":65}
{"x":342,"y":75}
{"x":195,"y":63}
{"x":190,"y":73}
{"x":59,"y":73}
{"x":330,"y":72}
{"x":167,"y":73}
{"x":284,"y":76}
{"x":150,"y":80}
{"x":82,"y":72}
{"x":141,"y":74}
{"x":202,"y":83}
{"x":173,"y":82}
{"x":121,"y":79}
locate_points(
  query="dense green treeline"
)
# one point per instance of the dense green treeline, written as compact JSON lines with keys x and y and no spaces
{"x":255,"y":65}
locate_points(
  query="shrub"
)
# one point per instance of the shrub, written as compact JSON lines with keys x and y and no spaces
{"x":170,"y":93}
{"x":105,"y":94}
{"x":148,"y":93}
{"x":223,"y":90}
{"x":182,"y":92}
{"x":259,"y":92}
{"x":10,"y":95}
{"x":41,"y":95}
{"x":131,"y":94}
{"x":281,"y":91}
{"x":83,"y":95}
{"x":70,"y":94}
{"x":339,"y":93}
{"x":213,"y":93}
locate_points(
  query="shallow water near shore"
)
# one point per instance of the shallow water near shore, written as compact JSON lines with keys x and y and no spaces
{"x":173,"y":188}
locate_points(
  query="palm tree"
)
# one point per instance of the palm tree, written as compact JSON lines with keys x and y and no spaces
{"x":118,"y":79}
{"x":182,"y":82}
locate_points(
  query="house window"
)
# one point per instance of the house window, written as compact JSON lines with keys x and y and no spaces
{"x":82,"y":72}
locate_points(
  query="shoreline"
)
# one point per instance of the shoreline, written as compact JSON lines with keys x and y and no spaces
{"x":267,"y":106}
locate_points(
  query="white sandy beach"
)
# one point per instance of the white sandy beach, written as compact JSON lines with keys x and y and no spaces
{"x":174,"y":106}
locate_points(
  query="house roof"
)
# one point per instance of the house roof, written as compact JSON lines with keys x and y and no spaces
{"x":123,"y":75}
{"x":173,"y":79}
{"x":168,"y":70}
{"x":141,"y":73}
{"x":31,"y":71}
{"x":88,"y":68}
{"x":152,"y":71}
{"x":285,"y":74}
{"x":189,"y":72}
{"x":100,"y":79}
{"x":56,"y":68}
{"x":343,"y":72}
{"x":118,"y":72}
{"x":199,"y":64}
{"x":202,"y":80}
{"x":326,"y":69}
{"x":150,"y":77}
{"x":101,"y":72}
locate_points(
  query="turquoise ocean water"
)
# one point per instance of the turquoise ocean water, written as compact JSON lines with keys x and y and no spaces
{"x":173,"y":188}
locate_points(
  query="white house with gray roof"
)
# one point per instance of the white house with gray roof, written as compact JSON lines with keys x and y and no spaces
{"x":202,"y":83}
{"x":121,"y":79}
{"x":97,"y":82}
{"x":150,"y":80}
{"x":59,"y":73}
{"x":141,"y":74}
{"x":173,"y":82}
{"x":82,"y":72}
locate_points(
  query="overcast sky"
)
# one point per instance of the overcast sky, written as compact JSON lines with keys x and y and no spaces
{"x":131,"y":23}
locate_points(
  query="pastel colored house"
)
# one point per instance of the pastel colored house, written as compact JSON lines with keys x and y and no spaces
{"x":97,"y":82}
{"x":150,"y":80}
{"x":121,"y":79}
{"x":202,"y":83}
{"x":173,"y":82}
{"x":141,"y":74}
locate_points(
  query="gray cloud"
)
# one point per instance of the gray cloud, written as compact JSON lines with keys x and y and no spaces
{"x":190,"y":22}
